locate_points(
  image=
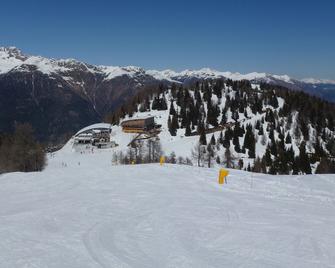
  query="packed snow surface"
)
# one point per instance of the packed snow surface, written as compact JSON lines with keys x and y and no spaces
{"x":83,"y":212}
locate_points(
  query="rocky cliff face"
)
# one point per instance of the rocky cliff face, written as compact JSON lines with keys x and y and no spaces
{"x":50,"y":105}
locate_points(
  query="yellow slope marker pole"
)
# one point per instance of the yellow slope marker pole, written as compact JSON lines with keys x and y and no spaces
{"x":223,"y":173}
{"x":162,"y":160}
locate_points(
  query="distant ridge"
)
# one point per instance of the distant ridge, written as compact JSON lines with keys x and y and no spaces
{"x":59,"y":96}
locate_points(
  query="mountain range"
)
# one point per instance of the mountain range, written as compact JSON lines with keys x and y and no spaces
{"x":60,"y":96}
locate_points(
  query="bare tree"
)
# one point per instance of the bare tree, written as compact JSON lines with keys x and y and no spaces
{"x":181,"y":160}
{"x":228,"y":158}
{"x":257,"y":165}
{"x":154,"y":150}
{"x":210,"y":154}
{"x":115,"y":159}
{"x":139,"y":154}
{"x":198,"y":153}
{"x":188,"y":161}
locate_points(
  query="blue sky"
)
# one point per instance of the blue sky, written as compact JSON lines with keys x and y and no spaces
{"x":282,"y":37}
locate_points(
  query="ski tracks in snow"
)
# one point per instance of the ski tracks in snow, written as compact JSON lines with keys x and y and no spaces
{"x":169,"y":216}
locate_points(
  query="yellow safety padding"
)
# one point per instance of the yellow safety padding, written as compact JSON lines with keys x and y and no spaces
{"x":162,"y":160}
{"x":223,"y":173}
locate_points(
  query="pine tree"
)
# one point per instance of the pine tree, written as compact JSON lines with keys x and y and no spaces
{"x":217,"y":88}
{"x":224,"y":117}
{"x":174,"y":126}
{"x":273,"y":148}
{"x":274,"y":101}
{"x":174,"y":90}
{"x":212,"y":114}
{"x":169,"y":123}
{"x":290,"y":155}
{"x":272,"y":135}
{"x":213,"y":142}
{"x":267,"y":157}
{"x":227,"y":137}
{"x":202,"y":139}
{"x":304,"y":129}
{"x":188,"y":130}
{"x":172,"y":109}
{"x":295,"y":166}
{"x":273,"y":168}
{"x":288,"y":138}
{"x":155,"y":104}
{"x":249,"y":168}
{"x":163,"y":104}
{"x":330,"y":146}
{"x":325,"y":166}
{"x":252,"y":147}
{"x":246,"y":143}
{"x":21,"y":152}
{"x":221,"y":140}
{"x":282,"y":163}
{"x":236,"y":143}
{"x":240,"y":164}
{"x":304,"y":163}
{"x":235,"y":115}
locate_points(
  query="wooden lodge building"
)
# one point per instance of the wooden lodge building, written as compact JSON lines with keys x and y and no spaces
{"x":140,"y":125}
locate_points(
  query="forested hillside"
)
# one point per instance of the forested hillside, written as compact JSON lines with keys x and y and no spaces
{"x":264,"y":128}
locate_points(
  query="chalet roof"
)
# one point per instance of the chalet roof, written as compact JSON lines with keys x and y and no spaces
{"x":137,"y":119}
{"x":94,"y":127}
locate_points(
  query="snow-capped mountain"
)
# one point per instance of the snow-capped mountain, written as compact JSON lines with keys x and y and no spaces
{"x":12,"y":59}
{"x":61,"y":95}
{"x":207,"y":73}
{"x":322,"y":88}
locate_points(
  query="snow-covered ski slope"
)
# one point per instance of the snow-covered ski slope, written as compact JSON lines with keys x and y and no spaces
{"x":93,"y":214}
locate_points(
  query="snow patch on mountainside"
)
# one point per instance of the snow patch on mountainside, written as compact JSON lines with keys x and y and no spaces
{"x":115,"y":71}
{"x":44,"y":65}
{"x":8,"y":60}
{"x":166,"y":75}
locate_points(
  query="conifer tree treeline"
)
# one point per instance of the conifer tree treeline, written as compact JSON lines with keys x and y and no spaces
{"x":20,"y":151}
{"x":296,"y":133}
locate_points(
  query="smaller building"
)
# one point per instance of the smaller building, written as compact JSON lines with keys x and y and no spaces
{"x":98,"y":135}
{"x":83,"y":138}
